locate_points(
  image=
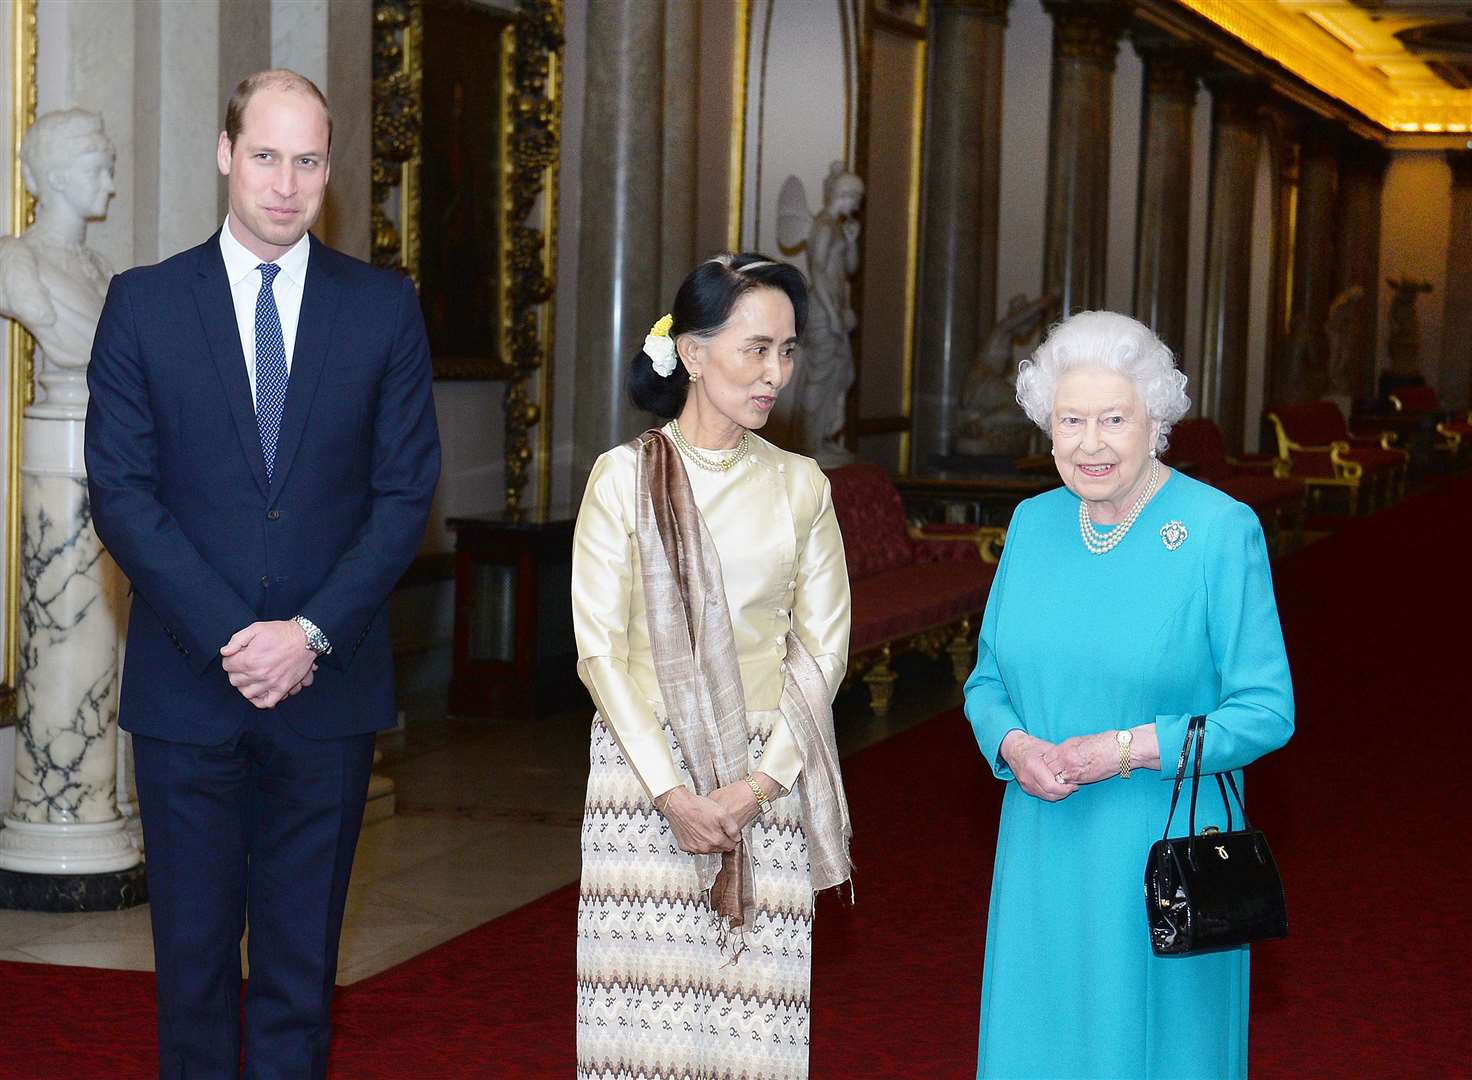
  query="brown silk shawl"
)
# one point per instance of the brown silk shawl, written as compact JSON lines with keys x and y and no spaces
{"x":695,"y":661}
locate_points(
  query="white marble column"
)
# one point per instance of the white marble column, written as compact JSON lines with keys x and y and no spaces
{"x":64,"y":820}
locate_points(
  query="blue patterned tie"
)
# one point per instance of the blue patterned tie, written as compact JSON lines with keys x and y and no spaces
{"x":271,"y":371}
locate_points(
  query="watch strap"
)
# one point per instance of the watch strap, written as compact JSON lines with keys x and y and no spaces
{"x":316,"y":639}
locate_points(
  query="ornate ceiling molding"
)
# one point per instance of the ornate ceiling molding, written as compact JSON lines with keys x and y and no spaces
{"x":1326,"y":44}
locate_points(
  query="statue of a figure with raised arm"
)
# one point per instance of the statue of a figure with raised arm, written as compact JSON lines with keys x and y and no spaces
{"x":826,"y":358}
{"x":50,"y":281}
{"x":1342,"y":328}
{"x":989,"y":421}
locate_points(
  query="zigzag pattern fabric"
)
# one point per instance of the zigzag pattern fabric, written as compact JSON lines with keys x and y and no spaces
{"x":271,"y":372}
{"x":657,"y":999}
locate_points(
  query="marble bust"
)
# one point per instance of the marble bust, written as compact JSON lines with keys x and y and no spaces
{"x":831,"y":238}
{"x":50,"y":281}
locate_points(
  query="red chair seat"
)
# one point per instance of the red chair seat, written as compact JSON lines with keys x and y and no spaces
{"x":1418,"y":399}
{"x":1313,"y":423}
{"x":895,"y":602}
{"x":1262,"y":493}
{"x":1376,"y":461}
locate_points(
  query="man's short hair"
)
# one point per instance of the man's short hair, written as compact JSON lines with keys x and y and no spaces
{"x":273,"y":79}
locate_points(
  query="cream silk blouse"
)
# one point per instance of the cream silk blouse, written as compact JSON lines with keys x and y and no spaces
{"x":781,"y":554}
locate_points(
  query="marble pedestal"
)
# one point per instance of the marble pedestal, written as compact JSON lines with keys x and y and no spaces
{"x":64,"y":846}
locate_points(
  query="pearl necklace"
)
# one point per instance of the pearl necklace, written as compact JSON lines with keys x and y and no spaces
{"x":1102,"y":543}
{"x":709,"y":464}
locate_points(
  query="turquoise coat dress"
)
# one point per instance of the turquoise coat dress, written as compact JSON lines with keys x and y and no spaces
{"x":1073,"y":644}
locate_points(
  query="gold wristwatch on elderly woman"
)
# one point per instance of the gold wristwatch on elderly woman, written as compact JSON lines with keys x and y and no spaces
{"x":1124,"y":738}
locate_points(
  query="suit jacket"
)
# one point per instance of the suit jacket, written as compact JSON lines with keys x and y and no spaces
{"x":180,"y":499}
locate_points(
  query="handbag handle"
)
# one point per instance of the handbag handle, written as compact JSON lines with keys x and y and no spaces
{"x":1198,"y":724}
{"x":1191,"y":727}
{"x":1196,"y":730}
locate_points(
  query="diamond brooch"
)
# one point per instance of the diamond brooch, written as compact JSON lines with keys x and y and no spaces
{"x":1173,"y":534}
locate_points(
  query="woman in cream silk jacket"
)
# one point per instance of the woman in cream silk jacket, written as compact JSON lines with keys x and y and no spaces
{"x":659,"y":991}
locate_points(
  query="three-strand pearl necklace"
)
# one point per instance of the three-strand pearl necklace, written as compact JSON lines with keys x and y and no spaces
{"x":710,"y":464}
{"x":1102,"y":543}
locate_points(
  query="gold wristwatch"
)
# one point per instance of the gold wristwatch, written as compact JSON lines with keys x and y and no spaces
{"x":1124,"y":738}
{"x":763,"y":804}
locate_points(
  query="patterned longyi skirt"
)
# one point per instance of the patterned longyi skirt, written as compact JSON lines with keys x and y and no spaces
{"x":657,"y":999}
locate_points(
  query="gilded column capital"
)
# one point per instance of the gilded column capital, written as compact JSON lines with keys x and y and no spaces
{"x":987,"y":9}
{"x":1235,"y":101}
{"x":1169,"y":74}
{"x":1461,"y":163}
{"x":1365,"y":159}
{"x":1087,"y":30}
{"x":1320,"y":138}
{"x":1171,"y":65}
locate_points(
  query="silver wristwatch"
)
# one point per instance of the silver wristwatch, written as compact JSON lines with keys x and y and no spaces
{"x":316,"y":639}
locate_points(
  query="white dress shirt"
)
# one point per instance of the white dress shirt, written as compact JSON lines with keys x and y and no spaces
{"x":243,"y":273}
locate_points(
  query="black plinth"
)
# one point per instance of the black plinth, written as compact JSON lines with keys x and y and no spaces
{"x":73,"y":892}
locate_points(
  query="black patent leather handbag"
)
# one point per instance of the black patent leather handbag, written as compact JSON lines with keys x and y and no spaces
{"x":1211,"y":890}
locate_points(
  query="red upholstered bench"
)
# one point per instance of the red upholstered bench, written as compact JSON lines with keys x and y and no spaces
{"x":1252,"y":478}
{"x":1456,"y":433}
{"x":1315,"y":444}
{"x":914,"y":588}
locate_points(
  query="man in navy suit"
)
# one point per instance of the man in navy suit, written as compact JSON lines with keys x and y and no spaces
{"x":261,"y":454}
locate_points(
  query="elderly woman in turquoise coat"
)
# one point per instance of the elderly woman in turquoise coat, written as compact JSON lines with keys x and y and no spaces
{"x":1127,"y":601}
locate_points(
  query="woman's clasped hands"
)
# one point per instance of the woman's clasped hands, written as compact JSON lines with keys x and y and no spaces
{"x":705,"y":825}
{"x":1054,"y":771}
{"x":1028,"y":758}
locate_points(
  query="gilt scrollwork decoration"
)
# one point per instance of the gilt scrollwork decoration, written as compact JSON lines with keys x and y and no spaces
{"x":535,"y":113}
{"x":530,"y":108}
{"x":398,"y":75}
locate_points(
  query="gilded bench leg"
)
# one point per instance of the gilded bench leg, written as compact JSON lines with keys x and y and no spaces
{"x":960,"y":650}
{"x":880,"y":679}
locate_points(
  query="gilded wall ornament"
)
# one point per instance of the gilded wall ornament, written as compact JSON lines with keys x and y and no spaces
{"x":511,"y":336}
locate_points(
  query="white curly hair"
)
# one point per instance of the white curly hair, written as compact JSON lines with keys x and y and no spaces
{"x":1104,"y":339}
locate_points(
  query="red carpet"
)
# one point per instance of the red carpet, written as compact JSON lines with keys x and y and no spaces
{"x":1366,"y":810}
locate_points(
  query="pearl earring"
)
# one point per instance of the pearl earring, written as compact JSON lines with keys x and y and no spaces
{"x":1152,"y":452}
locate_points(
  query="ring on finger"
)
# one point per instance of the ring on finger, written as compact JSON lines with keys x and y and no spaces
{"x":1058,"y":777}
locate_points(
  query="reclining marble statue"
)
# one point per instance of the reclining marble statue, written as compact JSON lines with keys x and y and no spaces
{"x":989,"y":421}
{"x":826,"y":359}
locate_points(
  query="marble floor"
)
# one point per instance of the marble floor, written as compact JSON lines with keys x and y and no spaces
{"x":487,"y":820}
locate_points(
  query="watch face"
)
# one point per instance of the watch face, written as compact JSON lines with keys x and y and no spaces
{"x":1125,"y":737}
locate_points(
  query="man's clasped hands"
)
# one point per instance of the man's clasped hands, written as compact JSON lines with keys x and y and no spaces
{"x":269,"y":661}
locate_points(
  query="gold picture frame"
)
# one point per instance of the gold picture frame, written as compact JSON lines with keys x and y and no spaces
{"x":495,"y":125}
{"x":895,"y":25}
{"x":20,"y":346}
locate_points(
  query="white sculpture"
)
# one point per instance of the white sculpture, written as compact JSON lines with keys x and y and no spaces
{"x":826,"y":359}
{"x":989,"y":421}
{"x":63,"y":819}
{"x":1342,"y":328}
{"x":50,"y":281}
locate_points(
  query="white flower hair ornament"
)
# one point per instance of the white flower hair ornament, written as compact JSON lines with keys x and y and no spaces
{"x":660,"y":347}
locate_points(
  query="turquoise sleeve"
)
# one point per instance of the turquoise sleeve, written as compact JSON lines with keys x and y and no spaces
{"x":1254,"y":714}
{"x":988,"y":705}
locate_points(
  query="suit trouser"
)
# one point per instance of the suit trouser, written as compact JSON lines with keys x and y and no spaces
{"x":265,"y":824}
